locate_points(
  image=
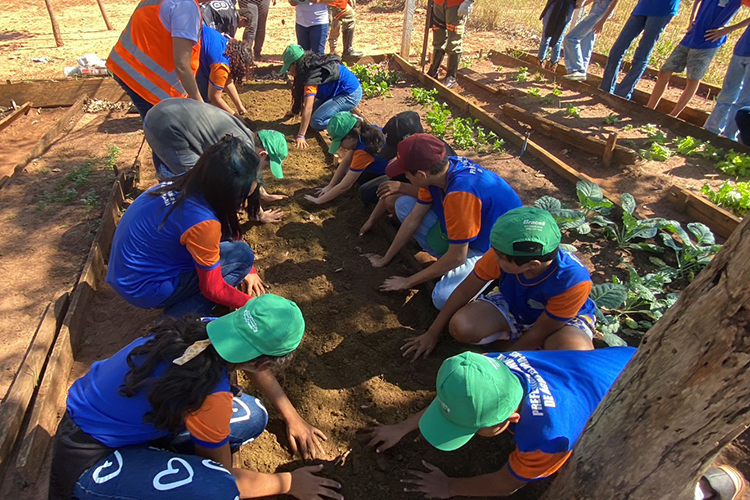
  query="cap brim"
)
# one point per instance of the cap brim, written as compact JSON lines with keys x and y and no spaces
{"x":276,"y":169}
{"x":440,"y":433}
{"x":335,"y":146}
{"x":285,"y":68}
{"x":231,"y":347}
{"x":395,"y":168}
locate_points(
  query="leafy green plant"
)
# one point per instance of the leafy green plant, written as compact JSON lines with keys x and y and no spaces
{"x":630,"y":229}
{"x":423,"y":96}
{"x":656,"y":152}
{"x":556,"y":92}
{"x":437,"y":119}
{"x":375,"y":80}
{"x":463,"y":133}
{"x":592,"y":200}
{"x":730,"y":195}
{"x":735,"y":164}
{"x":687,"y":146}
{"x":79,"y":176}
{"x":691,"y":256}
{"x":611,"y":119}
{"x":534,"y":92}
{"x":91,"y":199}
{"x":654,"y":134}
{"x":628,"y":127}
{"x":572,"y":111}
{"x":113,"y":152}
{"x":566,"y":218}
{"x":709,"y":152}
{"x":548,"y":100}
{"x":522,"y":75}
{"x":538,"y":77}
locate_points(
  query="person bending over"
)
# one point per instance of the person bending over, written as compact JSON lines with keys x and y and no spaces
{"x":360,"y":163}
{"x":160,"y":419}
{"x":543,"y":299}
{"x":322,"y":87}
{"x":451,"y":217}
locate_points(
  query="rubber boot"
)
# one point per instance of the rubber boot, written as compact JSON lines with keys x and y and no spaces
{"x":348,"y":41}
{"x":450,"y":78}
{"x":437,"y":60}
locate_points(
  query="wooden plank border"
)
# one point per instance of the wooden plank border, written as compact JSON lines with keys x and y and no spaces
{"x":722,"y":221}
{"x":15,"y":115}
{"x":61,"y":92}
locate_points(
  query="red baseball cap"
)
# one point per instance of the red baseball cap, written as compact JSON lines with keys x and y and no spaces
{"x":416,"y":152}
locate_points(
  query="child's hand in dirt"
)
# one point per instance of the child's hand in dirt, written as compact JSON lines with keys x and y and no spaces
{"x":270,"y":216}
{"x":386,"y":436}
{"x":268,"y":198}
{"x":422,"y":345}
{"x":307,"y":486}
{"x":323,"y":190}
{"x":395,"y":283}
{"x":305,"y":438}
{"x":365,"y":228}
{"x":312,"y":199}
{"x":301,"y":143}
{"x":255,"y":286}
{"x":376,"y":260}
{"x":434,"y":484}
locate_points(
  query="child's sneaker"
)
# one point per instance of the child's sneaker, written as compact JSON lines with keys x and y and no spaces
{"x":578,"y":76}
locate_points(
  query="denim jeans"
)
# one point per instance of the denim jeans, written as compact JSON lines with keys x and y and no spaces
{"x":444,"y":288}
{"x":313,"y":37}
{"x":735,"y":94}
{"x":547,"y":42}
{"x":236,"y":260}
{"x":579,"y":42}
{"x":323,"y":111}
{"x":143,"y":471}
{"x":652,"y":28}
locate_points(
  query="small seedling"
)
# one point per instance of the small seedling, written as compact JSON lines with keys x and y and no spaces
{"x":572,"y":111}
{"x":10,"y":217}
{"x":44,"y":171}
{"x":548,"y":100}
{"x":534,"y":92}
{"x":557,"y":92}
{"x":423,"y":96}
{"x":113,"y":151}
{"x":538,"y":77}
{"x":522,"y":75}
{"x":628,"y":127}
{"x":611,"y":119}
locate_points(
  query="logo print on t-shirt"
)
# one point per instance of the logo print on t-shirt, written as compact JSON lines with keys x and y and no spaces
{"x":237,"y":405}
{"x":171,"y":471}
{"x":103,"y":479}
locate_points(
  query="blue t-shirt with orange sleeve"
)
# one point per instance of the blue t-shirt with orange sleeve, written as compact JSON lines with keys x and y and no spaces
{"x":562,"y":291}
{"x":362,"y":161}
{"x":150,"y":253}
{"x":346,"y":84}
{"x":214,"y":65}
{"x":561,"y":391}
{"x":97,"y":407}
{"x":473,"y":199}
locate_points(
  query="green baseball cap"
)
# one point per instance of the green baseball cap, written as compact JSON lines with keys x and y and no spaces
{"x":268,"y":324}
{"x":473,"y":392}
{"x":437,"y":239}
{"x":340,"y":124}
{"x":290,"y":56}
{"x":275,"y":145}
{"x":525,"y":231}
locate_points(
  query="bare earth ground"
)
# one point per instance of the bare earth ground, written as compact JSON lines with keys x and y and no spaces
{"x":23,"y":134}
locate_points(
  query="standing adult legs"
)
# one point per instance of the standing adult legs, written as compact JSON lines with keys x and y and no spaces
{"x":544,"y":41}
{"x":439,"y":37}
{"x":456,"y":26}
{"x":334,"y":30}
{"x":630,"y":32}
{"x":579,"y":42}
{"x":556,"y":43}
{"x":250,"y":11}
{"x":303,"y":36}
{"x":260,"y":34}
{"x":652,"y":30}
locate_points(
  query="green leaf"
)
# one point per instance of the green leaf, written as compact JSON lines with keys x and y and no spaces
{"x":628,"y":203}
{"x":644,"y":233}
{"x":609,"y":295}
{"x":599,"y":220}
{"x":568,"y":248}
{"x":703,"y":234}
{"x":670,"y":242}
{"x":657,"y":261}
{"x":630,"y":322}
{"x":584,"y":228}
{"x":590,"y":190}
{"x":613,"y":340}
{"x":647,"y":247}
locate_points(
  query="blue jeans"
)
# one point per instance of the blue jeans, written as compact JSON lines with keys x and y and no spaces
{"x":323,"y":111}
{"x":236,"y":259}
{"x":143,"y":471}
{"x":579,"y":42}
{"x":734,"y":95}
{"x":547,"y":42}
{"x":652,"y":28}
{"x":313,"y":37}
{"x":444,"y":288}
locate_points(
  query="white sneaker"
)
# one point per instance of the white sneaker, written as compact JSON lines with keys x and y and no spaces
{"x":578,"y":76}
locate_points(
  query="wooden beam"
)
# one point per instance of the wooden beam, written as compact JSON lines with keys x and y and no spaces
{"x":721,"y":221}
{"x":61,"y":93}
{"x":570,"y":136}
{"x":609,"y":149}
{"x":15,"y":115}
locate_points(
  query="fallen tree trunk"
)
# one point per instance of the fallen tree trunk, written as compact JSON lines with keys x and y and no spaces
{"x":684,"y":396}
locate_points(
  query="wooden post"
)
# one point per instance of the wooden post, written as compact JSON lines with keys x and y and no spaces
{"x":409,"y":6}
{"x":104,"y":15}
{"x":55,"y":26}
{"x":609,"y":149}
{"x":682,"y":398}
{"x":427,"y":26}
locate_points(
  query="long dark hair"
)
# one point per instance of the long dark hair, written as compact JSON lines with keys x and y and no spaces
{"x":240,"y":60}
{"x":179,"y":390}
{"x":370,"y":135}
{"x":223,"y":175}
{"x":306,"y":64}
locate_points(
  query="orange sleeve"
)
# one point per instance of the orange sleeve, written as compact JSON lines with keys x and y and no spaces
{"x":424,"y":196}
{"x":219,"y":75}
{"x":566,"y":305}
{"x":528,"y":466}
{"x":209,"y":425}
{"x":463,"y":216}
{"x":202,"y":241}
{"x":360,"y":161}
{"x":310,"y":90}
{"x":486,"y":268}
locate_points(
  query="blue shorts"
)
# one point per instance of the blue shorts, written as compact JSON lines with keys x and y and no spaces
{"x":583,"y":322}
{"x":695,"y":61}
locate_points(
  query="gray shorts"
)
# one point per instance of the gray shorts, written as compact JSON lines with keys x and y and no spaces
{"x":696,"y":61}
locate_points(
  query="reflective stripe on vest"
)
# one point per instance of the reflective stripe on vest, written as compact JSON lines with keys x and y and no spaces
{"x":152,"y":76}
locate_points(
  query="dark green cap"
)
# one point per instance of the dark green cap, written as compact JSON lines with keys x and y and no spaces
{"x":473,"y":392}
{"x":275,"y":145}
{"x":525,"y":225}
{"x":290,"y":56}
{"x":268,"y":324}
{"x":338,"y":127}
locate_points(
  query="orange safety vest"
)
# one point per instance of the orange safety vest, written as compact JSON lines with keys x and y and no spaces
{"x":143,"y":59}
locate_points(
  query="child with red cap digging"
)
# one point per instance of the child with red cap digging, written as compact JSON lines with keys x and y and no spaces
{"x":543,"y":299}
{"x":159,"y":419}
{"x":543,"y":397}
{"x":452,"y":216}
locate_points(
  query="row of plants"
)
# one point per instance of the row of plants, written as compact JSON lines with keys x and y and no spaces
{"x":375,"y":80}
{"x":466,"y":133}
{"x":630,"y":307}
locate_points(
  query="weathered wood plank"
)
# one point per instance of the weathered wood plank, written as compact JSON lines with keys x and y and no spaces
{"x":15,"y":115}
{"x":60,"y":93}
{"x":721,"y":221}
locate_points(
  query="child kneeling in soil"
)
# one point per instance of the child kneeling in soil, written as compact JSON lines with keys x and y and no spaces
{"x":179,"y":247}
{"x":159,"y":419}
{"x":360,"y":163}
{"x":543,"y":299}
{"x":180,"y":130}
{"x":544,"y":398}
{"x":451,"y":217}
{"x":224,"y":64}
